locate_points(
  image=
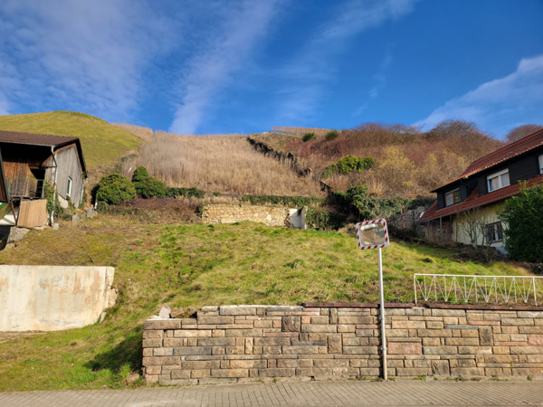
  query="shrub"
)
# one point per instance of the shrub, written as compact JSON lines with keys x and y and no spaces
{"x":53,"y":203}
{"x":349,"y":164}
{"x":308,"y":136}
{"x":115,"y":188}
{"x":151,"y":188}
{"x":295,"y":201}
{"x":140,"y":174}
{"x":332,"y":134}
{"x":321,"y":219}
{"x":523,"y":234}
{"x":186,"y":192}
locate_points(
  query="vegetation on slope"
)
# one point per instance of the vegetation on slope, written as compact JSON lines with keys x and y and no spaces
{"x":409,"y":162}
{"x":192,"y":266}
{"x":103,"y":143}
{"x":224,"y":164}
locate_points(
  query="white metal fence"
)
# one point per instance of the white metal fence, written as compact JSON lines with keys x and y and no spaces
{"x":468,"y":289}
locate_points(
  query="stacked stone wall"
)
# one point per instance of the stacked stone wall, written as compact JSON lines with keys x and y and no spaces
{"x":231,"y":213}
{"x":329,"y":341}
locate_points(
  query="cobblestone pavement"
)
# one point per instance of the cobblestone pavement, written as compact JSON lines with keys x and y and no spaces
{"x":404,"y":393}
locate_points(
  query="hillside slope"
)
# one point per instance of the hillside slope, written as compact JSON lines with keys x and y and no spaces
{"x":103,"y":143}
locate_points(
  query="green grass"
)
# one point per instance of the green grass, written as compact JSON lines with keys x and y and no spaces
{"x":190,"y":266}
{"x":103,"y":143}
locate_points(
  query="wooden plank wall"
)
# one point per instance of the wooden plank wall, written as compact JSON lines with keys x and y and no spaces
{"x":32,"y":213}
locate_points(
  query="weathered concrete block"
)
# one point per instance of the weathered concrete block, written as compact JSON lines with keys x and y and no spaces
{"x":517,"y":321}
{"x":277,"y":372}
{"x":535,"y":340}
{"x":440,"y":350}
{"x":192,"y":350}
{"x":255,"y":332}
{"x":161,"y":361}
{"x":360,"y":350}
{"x":153,"y":334}
{"x":467,"y":371}
{"x":408,"y":324}
{"x":436,"y":312}
{"x":215,"y":320}
{"x":192,"y":333}
{"x":462,"y":341}
{"x":413,"y":371}
{"x":248,"y":364}
{"x":440,"y":367}
{"x":334,"y":344}
{"x":216,"y":341}
{"x":229,"y":373}
{"x":526,"y":350}
{"x":152,"y":343}
{"x":162,"y":324}
{"x":301,"y":350}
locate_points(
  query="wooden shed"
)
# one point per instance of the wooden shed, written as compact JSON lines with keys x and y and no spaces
{"x":30,"y":161}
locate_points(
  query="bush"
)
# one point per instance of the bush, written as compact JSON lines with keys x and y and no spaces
{"x":332,"y":134}
{"x":151,"y":188}
{"x":308,"y":136}
{"x":523,"y":234}
{"x":115,"y":188}
{"x":140,"y":174}
{"x":357,"y":201}
{"x":294,"y":201}
{"x":349,"y":164}
{"x":53,"y":203}
{"x":186,"y":192}
{"x":321,"y":219}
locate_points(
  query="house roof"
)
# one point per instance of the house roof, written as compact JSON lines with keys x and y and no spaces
{"x":45,"y":140}
{"x":474,"y":201}
{"x":512,"y":150}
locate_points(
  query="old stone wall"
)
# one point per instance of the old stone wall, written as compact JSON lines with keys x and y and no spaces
{"x":243,"y":343}
{"x":231,"y":213}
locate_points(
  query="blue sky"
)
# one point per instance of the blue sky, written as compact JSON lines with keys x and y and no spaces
{"x":222,"y":66}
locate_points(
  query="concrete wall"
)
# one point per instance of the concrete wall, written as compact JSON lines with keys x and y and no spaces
{"x":245,"y":343}
{"x":231,"y":213}
{"x":50,"y":298}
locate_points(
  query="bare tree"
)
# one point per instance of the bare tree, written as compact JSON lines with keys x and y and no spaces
{"x":522,"y":131}
{"x":474,"y":222}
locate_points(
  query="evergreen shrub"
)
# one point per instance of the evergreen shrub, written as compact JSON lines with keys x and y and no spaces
{"x":308,"y":136}
{"x":115,"y":188}
{"x":349,"y":164}
{"x":332,"y":134}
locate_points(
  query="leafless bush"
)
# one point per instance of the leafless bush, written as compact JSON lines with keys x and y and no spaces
{"x":522,"y":131}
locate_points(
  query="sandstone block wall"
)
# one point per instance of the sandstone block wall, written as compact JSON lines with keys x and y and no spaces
{"x":231,"y":213}
{"x":243,"y":343}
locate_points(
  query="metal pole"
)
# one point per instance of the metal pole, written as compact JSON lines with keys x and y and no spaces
{"x":383,"y":337}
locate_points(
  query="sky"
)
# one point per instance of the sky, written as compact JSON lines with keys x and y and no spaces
{"x":242,"y":66}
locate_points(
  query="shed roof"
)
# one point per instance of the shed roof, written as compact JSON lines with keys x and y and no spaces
{"x":45,"y":140}
{"x":512,"y":150}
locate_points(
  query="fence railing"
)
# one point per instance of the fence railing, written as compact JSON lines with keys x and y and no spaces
{"x":468,"y":289}
{"x":25,"y":188}
{"x":299,"y":130}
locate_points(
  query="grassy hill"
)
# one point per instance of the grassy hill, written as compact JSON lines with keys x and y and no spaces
{"x":190,"y":266}
{"x":103,"y":143}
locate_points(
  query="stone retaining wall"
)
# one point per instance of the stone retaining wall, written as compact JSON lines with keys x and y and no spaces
{"x":327,"y":341}
{"x":231,"y":213}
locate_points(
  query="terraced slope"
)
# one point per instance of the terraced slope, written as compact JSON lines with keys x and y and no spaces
{"x":103,"y":143}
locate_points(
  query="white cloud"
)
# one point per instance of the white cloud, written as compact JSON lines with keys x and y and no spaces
{"x":499,"y":105}
{"x":224,"y":54}
{"x":87,"y":55}
{"x":309,"y":74}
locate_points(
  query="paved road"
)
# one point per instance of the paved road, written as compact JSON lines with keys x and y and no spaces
{"x":405,"y":393}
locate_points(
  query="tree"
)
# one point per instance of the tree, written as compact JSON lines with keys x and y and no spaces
{"x":522,"y":131}
{"x":523,"y":233}
{"x":454,"y":128}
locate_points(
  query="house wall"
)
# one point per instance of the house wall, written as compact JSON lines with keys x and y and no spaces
{"x":460,"y":225}
{"x":68,"y":166}
{"x":243,"y":343}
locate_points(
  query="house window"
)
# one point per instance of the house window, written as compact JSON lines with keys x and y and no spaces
{"x":69,"y":187}
{"x":493,"y":232}
{"x":498,"y":180}
{"x":452,"y":197}
{"x":541,"y":164}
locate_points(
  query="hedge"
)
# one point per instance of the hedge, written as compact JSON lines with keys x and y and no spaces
{"x":321,"y":219}
{"x":115,"y":188}
{"x":186,"y":192}
{"x":349,"y":164}
{"x":294,"y":201}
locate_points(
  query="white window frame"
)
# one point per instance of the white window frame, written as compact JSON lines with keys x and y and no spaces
{"x":540,"y":158}
{"x":499,"y":176}
{"x":69,"y":187}
{"x":451,"y":193}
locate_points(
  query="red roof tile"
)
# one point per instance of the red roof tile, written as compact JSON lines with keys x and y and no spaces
{"x":521,"y":146}
{"x":475,"y":201}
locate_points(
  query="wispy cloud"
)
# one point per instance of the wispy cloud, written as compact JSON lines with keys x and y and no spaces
{"x":495,"y":105}
{"x":380,"y":79}
{"x":88,"y":55}
{"x":316,"y":65}
{"x":210,"y":71}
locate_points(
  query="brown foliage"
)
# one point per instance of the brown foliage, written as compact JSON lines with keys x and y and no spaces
{"x":522,"y":131}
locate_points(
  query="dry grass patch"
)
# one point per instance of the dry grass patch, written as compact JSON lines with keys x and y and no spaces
{"x":227,"y":164}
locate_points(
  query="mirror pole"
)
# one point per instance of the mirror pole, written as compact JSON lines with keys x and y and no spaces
{"x":383,"y":337}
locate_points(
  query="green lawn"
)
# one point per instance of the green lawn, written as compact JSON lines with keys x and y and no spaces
{"x":190,"y":266}
{"x":103,"y":143}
